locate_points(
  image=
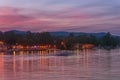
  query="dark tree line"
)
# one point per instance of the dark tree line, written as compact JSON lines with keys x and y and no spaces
{"x":65,"y":42}
{"x":107,"y":41}
{"x":28,"y":39}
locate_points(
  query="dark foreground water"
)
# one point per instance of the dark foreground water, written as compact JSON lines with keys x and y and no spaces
{"x":83,"y":65}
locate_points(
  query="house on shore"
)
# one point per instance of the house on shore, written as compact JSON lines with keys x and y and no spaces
{"x":84,"y":46}
{"x":3,"y":47}
{"x":87,"y":46}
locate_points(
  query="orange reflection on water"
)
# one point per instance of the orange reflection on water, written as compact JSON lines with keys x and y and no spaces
{"x":44,"y":64}
{"x":86,"y":58}
{"x":1,"y":62}
{"x":14,"y":64}
{"x":2,"y":65}
{"x":84,"y":64}
{"x":21,"y":61}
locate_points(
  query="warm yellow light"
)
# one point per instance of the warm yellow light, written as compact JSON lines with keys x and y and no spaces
{"x":1,"y":42}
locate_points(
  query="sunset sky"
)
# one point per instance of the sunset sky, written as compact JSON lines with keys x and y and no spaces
{"x":60,"y":15}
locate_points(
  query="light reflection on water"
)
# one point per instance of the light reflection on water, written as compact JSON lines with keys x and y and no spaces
{"x":83,"y":65}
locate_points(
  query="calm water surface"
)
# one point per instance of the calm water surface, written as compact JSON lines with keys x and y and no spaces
{"x":83,"y":65}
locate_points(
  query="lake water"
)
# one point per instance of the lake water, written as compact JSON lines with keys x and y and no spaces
{"x":83,"y":65}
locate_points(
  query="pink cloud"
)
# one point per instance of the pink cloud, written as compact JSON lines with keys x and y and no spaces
{"x":8,"y":11}
{"x":36,"y":20}
{"x":40,"y":20}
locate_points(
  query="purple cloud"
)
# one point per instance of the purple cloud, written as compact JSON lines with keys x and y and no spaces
{"x":55,"y":15}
